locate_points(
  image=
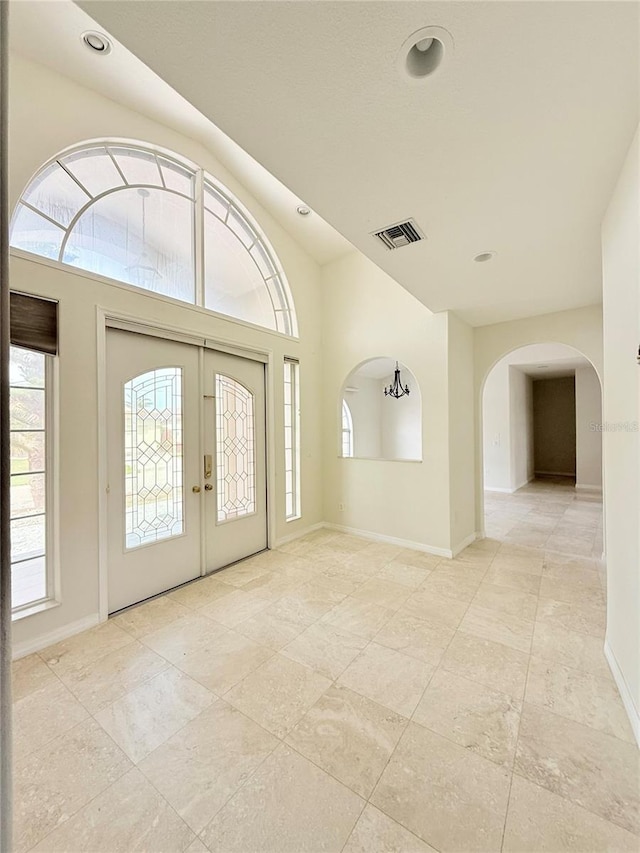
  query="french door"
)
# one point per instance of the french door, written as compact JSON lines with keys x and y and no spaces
{"x":186,"y":463}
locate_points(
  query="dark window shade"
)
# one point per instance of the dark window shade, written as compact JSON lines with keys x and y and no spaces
{"x":34,"y":323}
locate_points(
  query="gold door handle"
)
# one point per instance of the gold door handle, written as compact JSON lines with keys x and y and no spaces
{"x":208,"y":487}
{"x":195,"y":489}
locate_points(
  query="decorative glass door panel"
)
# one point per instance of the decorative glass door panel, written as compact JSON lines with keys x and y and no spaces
{"x":235,"y":501}
{"x":235,"y":449}
{"x":153,"y":470}
{"x":153,"y":446}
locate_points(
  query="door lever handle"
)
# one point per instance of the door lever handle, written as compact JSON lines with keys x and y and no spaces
{"x":208,"y":467}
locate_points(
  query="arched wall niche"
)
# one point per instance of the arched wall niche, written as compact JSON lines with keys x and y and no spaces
{"x":382,"y":427}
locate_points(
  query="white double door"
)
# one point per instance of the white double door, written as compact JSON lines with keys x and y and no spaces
{"x":186,"y":463}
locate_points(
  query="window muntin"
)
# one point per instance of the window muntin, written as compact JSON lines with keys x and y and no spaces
{"x":29,"y":465}
{"x":235,"y":449}
{"x":153,"y":458}
{"x":131,"y":214}
{"x":292,"y":439}
{"x":347,"y":430}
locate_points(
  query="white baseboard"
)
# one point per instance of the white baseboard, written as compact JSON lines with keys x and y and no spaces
{"x":553,"y":474}
{"x":584,"y":487}
{"x":465,"y":543}
{"x":625,"y":693}
{"x":392,"y":540}
{"x":28,"y":647}
{"x":499,"y":489}
{"x":304,"y":531}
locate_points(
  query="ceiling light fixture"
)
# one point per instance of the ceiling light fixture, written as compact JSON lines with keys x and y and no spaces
{"x":483,"y":257}
{"x":396,"y":390}
{"x":303,"y":210}
{"x":97,"y":42}
{"x":422,"y":53}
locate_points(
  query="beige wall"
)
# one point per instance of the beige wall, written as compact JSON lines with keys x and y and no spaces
{"x":68,"y":114}
{"x":621,"y":413}
{"x":366,"y":314}
{"x":521,"y":423}
{"x":588,"y":435}
{"x":554,"y":426}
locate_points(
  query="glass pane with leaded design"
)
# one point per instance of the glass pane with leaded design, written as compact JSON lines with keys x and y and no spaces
{"x":235,"y":448}
{"x":153,"y":457}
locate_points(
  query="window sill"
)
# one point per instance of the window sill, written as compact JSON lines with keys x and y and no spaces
{"x":293,"y":518}
{"x":40,"y":607}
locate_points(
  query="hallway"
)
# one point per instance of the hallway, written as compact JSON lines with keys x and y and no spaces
{"x":344,"y":695}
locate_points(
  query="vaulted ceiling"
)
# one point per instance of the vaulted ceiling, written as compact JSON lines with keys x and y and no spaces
{"x":513,"y":145}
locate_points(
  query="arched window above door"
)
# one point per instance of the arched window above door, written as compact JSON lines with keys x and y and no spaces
{"x":148,"y":219}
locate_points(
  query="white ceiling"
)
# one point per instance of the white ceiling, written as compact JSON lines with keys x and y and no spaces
{"x":49,"y":31}
{"x":512,"y":146}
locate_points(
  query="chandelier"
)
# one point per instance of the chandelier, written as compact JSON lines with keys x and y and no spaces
{"x":396,"y":390}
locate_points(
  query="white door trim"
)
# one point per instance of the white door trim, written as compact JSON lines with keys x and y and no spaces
{"x":106,"y":318}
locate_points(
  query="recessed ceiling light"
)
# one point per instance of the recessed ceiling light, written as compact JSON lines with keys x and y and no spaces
{"x":483,"y":257}
{"x":422,"y":53}
{"x":97,"y":42}
{"x":303,"y":210}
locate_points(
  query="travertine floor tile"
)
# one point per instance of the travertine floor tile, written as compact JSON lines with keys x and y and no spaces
{"x":148,"y":617}
{"x":85,"y":648}
{"x":579,"y":696}
{"x":492,"y":664}
{"x":580,"y":651}
{"x":290,"y":806}
{"x":377,"y":832}
{"x":118,"y":821}
{"x":278,"y":693}
{"x":513,"y":578}
{"x":101,"y":683}
{"x":183,"y":637}
{"x":594,"y":770}
{"x":275,"y":626}
{"x":452,"y":583}
{"x":148,"y":715}
{"x":394,"y":680}
{"x":384,"y":592}
{"x":510,"y":602}
{"x":436,"y":609}
{"x":234,"y":608}
{"x":491,"y":625}
{"x":349,"y":736}
{"x":200,"y":592}
{"x":541,"y":822}
{"x":410,"y":576}
{"x":483,"y":720}
{"x":225,"y":661}
{"x":415,"y":637}
{"x":53,"y":783}
{"x":203,"y":764}
{"x":29,"y":674}
{"x":325,"y":648}
{"x":42,"y":716}
{"x":584,"y":618}
{"x":359,"y":617}
{"x":448,"y":796}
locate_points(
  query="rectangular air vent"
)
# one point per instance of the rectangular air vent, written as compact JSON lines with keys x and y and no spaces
{"x":400,"y":234}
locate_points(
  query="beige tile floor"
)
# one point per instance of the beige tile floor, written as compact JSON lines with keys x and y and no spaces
{"x":342,"y":695}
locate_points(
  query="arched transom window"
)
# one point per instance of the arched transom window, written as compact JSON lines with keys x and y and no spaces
{"x":146,"y":218}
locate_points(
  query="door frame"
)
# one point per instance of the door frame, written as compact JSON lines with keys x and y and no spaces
{"x":106,"y":319}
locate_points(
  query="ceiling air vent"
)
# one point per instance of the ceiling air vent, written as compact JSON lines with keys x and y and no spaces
{"x":400,"y":234}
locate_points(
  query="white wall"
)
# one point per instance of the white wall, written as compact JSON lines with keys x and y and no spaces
{"x":621,"y":412}
{"x":401,"y":421}
{"x":68,"y":114}
{"x":366,"y":405}
{"x":520,"y":427}
{"x":588,"y":435}
{"x":367,"y":314}
{"x":496,"y":424}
